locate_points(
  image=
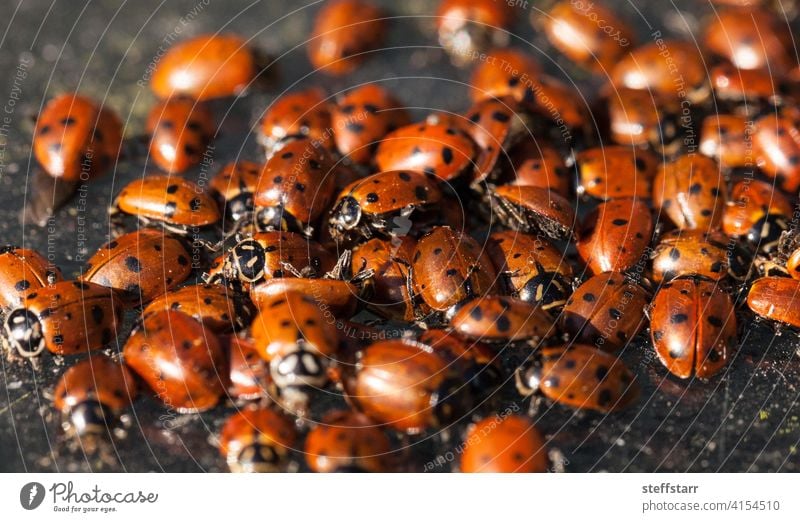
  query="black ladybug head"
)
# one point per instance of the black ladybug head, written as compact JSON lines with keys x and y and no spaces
{"x":256,"y":458}
{"x":546,"y":289}
{"x":91,"y":418}
{"x":239,"y":207}
{"x":346,"y":215}
{"x":247,"y":261}
{"x":528,"y":377}
{"x":765,"y":234}
{"x":24,"y":333}
{"x":271,"y":218}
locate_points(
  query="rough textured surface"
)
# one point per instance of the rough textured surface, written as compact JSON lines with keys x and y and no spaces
{"x":745,"y":420}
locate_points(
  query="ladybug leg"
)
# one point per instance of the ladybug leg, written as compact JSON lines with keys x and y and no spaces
{"x":291,"y":269}
{"x":534,"y":406}
{"x":342,"y":265}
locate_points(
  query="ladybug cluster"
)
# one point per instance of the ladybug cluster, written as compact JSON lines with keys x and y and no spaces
{"x":407,"y":272}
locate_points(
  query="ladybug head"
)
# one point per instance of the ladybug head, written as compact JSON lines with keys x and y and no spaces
{"x":24,"y":333}
{"x":272,"y":218}
{"x":528,"y":377}
{"x":246,"y":261}
{"x":346,"y":215}
{"x":239,"y":207}
{"x":301,"y":368}
{"x":90,"y":418}
{"x":256,"y":458}
{"x":766,"y":233}
{"x":547,"y":289}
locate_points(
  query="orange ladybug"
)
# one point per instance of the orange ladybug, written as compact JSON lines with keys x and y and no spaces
{"x":344,"y":33}
{"x":181,"y":130}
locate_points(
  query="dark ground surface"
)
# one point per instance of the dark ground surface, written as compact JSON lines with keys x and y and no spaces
{"x":747,"y":419}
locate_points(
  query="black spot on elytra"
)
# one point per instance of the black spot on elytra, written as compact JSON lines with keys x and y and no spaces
{"x":195,"y":204}
{"x":678,"y":318}
{"x":601,"y":372}
{"x":695,"y":188}
{"x":619,"y":222}
{"x":503,"y":324}
{"x":22,"y":285}
{"x":502,"y":117}
{"x":132,"y":264}
{"x":172,"y":189}
{"x":715,"y":321}
{"x":97,"y":314}
{"x":589,"y":297}
{"x":615,"y":314}
{"x":372,"y":197}
{"x":604,"y":398}
{"x":404,"y":176}
{"x":674,"y":254}
{"x":287,"y":155}
{"x":476,"y":313}
{"x":447,"y":155}
{"x":421,"y":193}
{"x":182,"y":260}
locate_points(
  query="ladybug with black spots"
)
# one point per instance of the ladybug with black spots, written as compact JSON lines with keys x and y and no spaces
{"x":297,"y":115}
{"x":775,"y":298}
{"x":466,"y":27}
{"x":344,"y":33}
{"x":348,"y":442}
{"x":579,"y":376}
{"x":179,"y":359}
{"x":615,"y":172}
{"x":258,"y":439}
{"x":21,"y":270}
{"x":638,"y":118}
{"x":75,"y":139}
{"x":339,"y":296}
{"x":538,"y":165}
{"x":139,"y":265}
{"x":506,"y":72}
{"x":180,"y":130}
{"x":531,"y":209}
{"x":65,"y":318}
{"x":234,"y":187}
{"x":728,"y":139}
{"x":691,"y":191}
{"x":93,"y":394}
{"x":494,"y":319}
{"x":382,"y":204}
{"x":249,"y":377}
{"x":509,"y":444}
{"x":708,"y":254}
{"x":776,"y":146}
{"x":216,"y":306}
{"x":758,"y":213}
{"x":693,"y":327}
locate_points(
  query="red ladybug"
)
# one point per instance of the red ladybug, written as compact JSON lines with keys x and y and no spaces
{"x":234,"y":187}
{"x":505,"y":72}
{"x":750,"y":38}
{"x":249,"y":373}
{"x":67,"y":317}
{"x":140,"y":265}
{"x":347,"y":442}
{"x":639,"y":118}
{"x":616,"y":172}
{"x":775,"y":298}
{"x":776,"y":145}
{"x":257,"y":440}
{"x":495,"y":319}
{"x":21,"y":270}
{"x":75,"y":139}
{"x":92,"y":394}
{"x":758,"y":212}
{"x":508,"y":444}
{"x":579,"y":376}
{"x":539,"y":165}
{"x":531,"y":209}
{"x":466,"y":27}
{"x":179,"y":359}
{"x":181,"y":130}
{"x":362,"y":118}
{"x":205,"y":67}
{"x":691,"y":192}
{"x":693,"y":327}
{"x":746,"y":88}
{"x":708,"y":254}
{"x":301,"y":114}
{"x":334,"y":295}
{"x":217,"y":307}
{"x":344,"y":33}
{"x":728,"y":139}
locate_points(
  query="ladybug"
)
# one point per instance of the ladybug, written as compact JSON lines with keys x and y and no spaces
{"x":606,"y":311}
{"x":776,"y":144}
{"x":747,"y":87}
{"x":176,"y":203}
{"x":693,"y":327}
{"x":579,"y":376}
{"x":615,"y":172}
{"x":269,"y":255}
{"x":532,"y":268}
{"x":67,"y":317}
{"x":300,"y":343}
{"x":449,"y":268}
{"x":75,"y":139}
{"x":295,"y":187}
{"x":217,"y":307}
{"x":757,"y":212}
{"x":92,"y":394}
{"x":435,"y":149}
{"x":205,"y":67}
{"x":651,"y":66}
{"x":347,"y":442}
{"x":708,"y":254}
{"x":401,"y":384}
{"x":539,"y":165}
{"x":249,"y":373}
{"x":362,"y":118}
{"x":141,"y":265}
{"x":531,"y":209}
{"x":728,"y":139}
{"x":180,"y":360}
{"x":181,"y":130}
{"x":750,"y":38}
{"x":448,"y":344}
{"x":382,"y":203}
{"x":339,"y":297}
{"x":691,"y":191}
{"x":345,"y":31}
{"x":775,"y":298}
{"x":257,"y":440}
{"x":615,"y":235}
{"x":505,"y":73}
{"x":509,"y":444}
{"x":494,"y":319}
{"x":466,"y":27}
{"x":576,"y":31}
{"x":21,"y":270}
{"x":233,"y":188}
{"x":387,"y":259}
{"x":638,"y":118}
{"x":301,"y":114}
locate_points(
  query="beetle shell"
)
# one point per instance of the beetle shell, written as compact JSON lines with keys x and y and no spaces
{"x":728,"y":139}
{"x":528,"y":209}
{"x":170,"y":199}
{"x":615,"y":235}
{"x":347,"y":441}
{"x":468,"y":26}
{"x":75,"y":139}
{"x":750,"y":39}
{"x":708,"y":254}
{"x":693,"y":327}
{"x":433,"y":149}
{"x":179,"y":359}
{"x":340,"y":297}
{"x":616,"y":172}
{"x":301,"y":114}
{"x":775,"y":298}
{"x":539,"y":165}
{"x":751,"y":200}
{"x":344,"y":32}
{"x":451,"y":346}
{"x":505,"y":72}
{"x":746,"y":86}
{"x":142,"y":265}
{"x":234,"y":187}
{"x":501,"y":319}
{"x":578,"y":34}
{"x":205,"y":67}
{"x":217,"y":307}
{"x":258,"y":440}
{"x":362,"y":118}
{"x":249,"y":373}
{"x":181,"y":130}
{"x":22,"y":270}
{"x":691,"y":192}
{"x":606,"y":311}
{"x":66,"y":318}
{"x":508,"y":444}
{"x":449,"y":268}
{"x":636,"y":118}
{"x":776,"y":144}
